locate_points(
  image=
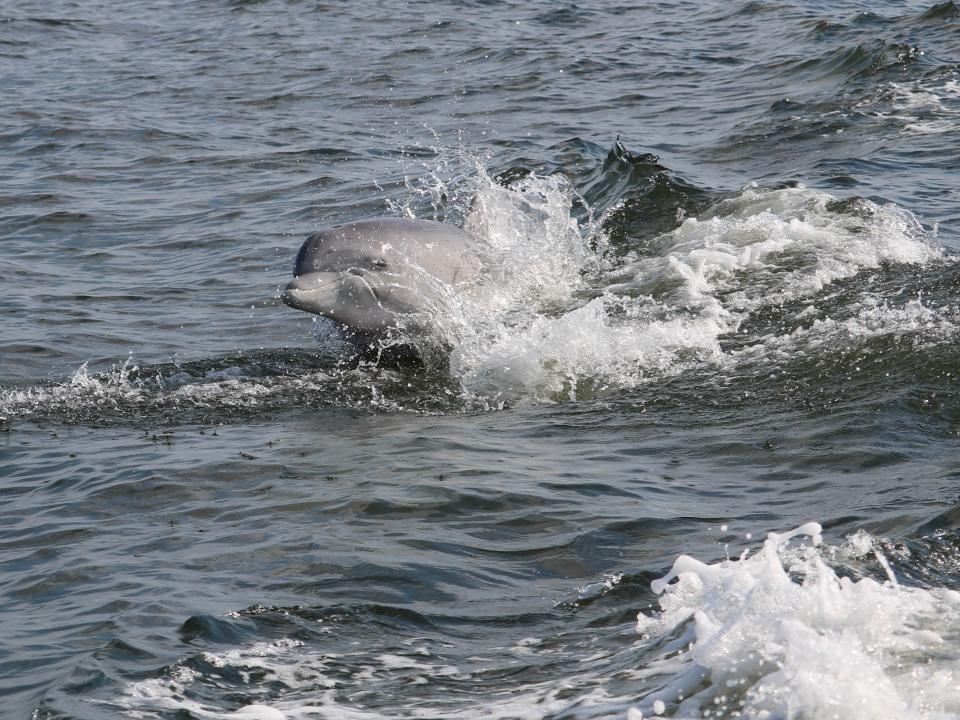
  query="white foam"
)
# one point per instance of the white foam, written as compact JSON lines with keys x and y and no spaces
{"x":312,"y":691}
{"x":125,"y":390}
{"x":871,"y":317}
{"x":929,"y":106}
{"x":115,"y":387}
{"x":553,"y":322}
{"x":764,"y":248}
{"x":781,"y":634}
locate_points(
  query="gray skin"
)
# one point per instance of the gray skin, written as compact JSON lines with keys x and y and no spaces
{"x":374,"y":275}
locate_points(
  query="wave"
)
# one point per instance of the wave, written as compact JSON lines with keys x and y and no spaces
{"x":687,"y":300}
{"x":782,"y":633}
{"x":797,"y":628}
{"x":218,"y":390}
{"x":579,"y":301}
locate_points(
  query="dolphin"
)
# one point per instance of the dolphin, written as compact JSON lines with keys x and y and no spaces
{"x":371,"y":276}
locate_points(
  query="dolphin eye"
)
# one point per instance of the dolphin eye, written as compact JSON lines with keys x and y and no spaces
{"x":379,"y":263}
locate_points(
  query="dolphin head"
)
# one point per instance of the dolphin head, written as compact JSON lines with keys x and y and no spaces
{"x":372,"y":275}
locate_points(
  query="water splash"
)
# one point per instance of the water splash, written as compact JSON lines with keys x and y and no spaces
{"x":558,"y":314}
{"x":799,"y":629}
{"x":782,"y":634}
{"x":558,"y":319}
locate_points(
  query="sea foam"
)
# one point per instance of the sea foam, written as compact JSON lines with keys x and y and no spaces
{"x":558,"y":319}
{"x":798,"y":629}
{"x":782,"y":634}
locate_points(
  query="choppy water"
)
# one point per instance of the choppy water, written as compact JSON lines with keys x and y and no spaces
{"x":719,"y":300}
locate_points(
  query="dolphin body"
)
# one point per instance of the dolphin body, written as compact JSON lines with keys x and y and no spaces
{"x":373,"y":276}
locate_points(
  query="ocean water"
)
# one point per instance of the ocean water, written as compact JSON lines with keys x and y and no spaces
{"x":689,"y":447}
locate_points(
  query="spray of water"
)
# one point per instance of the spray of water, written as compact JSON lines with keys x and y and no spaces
{"x":781,"y":634}
{"x":555,"y":316}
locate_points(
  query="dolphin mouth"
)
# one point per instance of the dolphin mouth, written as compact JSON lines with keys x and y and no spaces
{"x":347,"y":298}
{"x":314,"y":292}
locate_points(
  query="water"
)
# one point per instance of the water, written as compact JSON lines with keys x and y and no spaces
{"x":719,"y":301}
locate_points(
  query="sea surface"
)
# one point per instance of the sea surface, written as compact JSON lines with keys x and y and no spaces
{"x":689,"y":447}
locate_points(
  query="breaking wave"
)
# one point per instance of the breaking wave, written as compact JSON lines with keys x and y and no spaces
{"x":783,"y":634}
{"x":797,"y":629}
